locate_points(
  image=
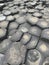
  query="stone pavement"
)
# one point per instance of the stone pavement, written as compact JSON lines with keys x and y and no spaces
{"x":24,"y":32}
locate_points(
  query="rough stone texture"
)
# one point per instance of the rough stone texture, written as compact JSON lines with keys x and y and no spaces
{"x":24,"y":32}
{"x":34,"y":58}
{"x":17,"y":36}
{"x":33,"y":42}
{"x":2,"y":57}
{"x":15,"y":54}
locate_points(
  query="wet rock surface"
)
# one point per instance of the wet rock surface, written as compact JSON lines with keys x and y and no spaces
{"x":24,"y":32}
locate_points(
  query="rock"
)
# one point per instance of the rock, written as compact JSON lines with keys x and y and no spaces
{"x":23,"y":64}
{"x":45,"y":34}
{"x":33,"y":3}
{"x":43,"y":24}
{"x":11,"y":32}
{"x":6,"y":12}
{"x":26,"y":38}
{"x":2,"y":57}
{"x":6,"y":8}
{"x":1,"y":0}
{"x":37,"y":14}
{"x":24,"y":27}
{"x":33,"y":42}
{"x":39,"y":7}
{"x":2,"y":17}
{"x":16,"y":16}
{"x":4,"y":45}
{"x":43,"y":47}
{"x":25,"y":0}
{"x":23,"y":11}
{"x":35,"y":31}
{"x":45,"y":16}
{"x":2,"y":4}
{"x":31,"y":11}
{"x":29,"y":5}
{"x":13,"y":25}
{"x":4,"y":24}
{"x":15,"y":55}
{"x":2,"y":32}
{"x":16,"y":36}
{"x":46,"y":61}
{"x":11,"y":5}
{"x":14,"y":10}
{"x":47,"y":20}
{"x":21,"y":20}
{"x":34,"y":57}
{"x":10,"y":18}
{"x":32,"y":20}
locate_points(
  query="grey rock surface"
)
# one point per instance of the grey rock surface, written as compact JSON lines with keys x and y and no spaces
{"x":34,"y":58}
{"x":24,"y":32}
{"x":16,"y":53}
{"x":2,"y":57}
